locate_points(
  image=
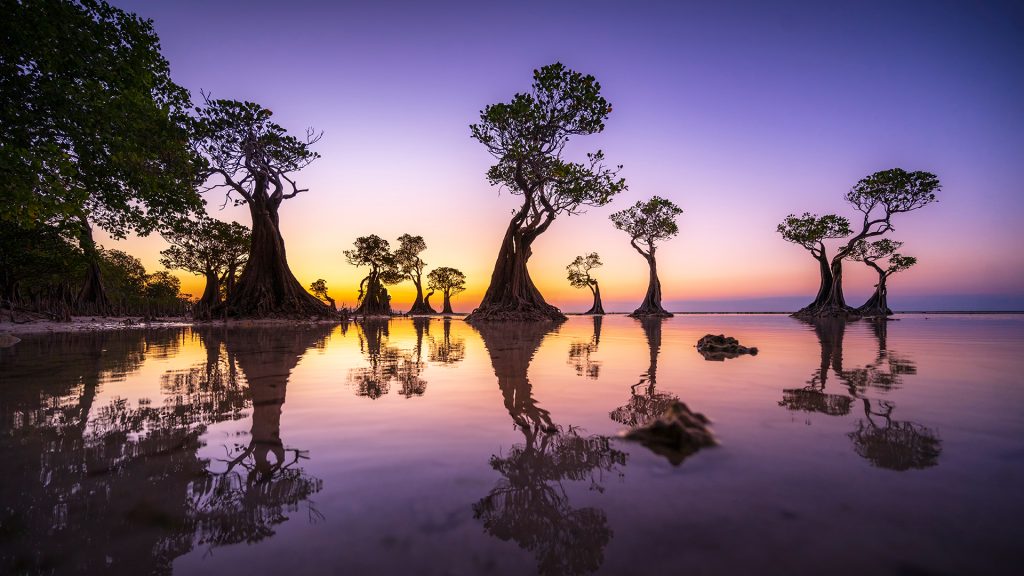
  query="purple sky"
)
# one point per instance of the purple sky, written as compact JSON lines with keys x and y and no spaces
{"x":740,"y":112}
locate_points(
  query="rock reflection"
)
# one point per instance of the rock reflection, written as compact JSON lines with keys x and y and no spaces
{"x":530,"y":504}
{"x":579,"y":353}
{"x":120,"y":488}
{"x":895,"y":445}
{"x":645,"y":402}
{"x":389,"y":364}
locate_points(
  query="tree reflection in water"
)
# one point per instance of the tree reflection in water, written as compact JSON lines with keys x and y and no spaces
{"x":447,"y":350}
{"x":387,"y":363}
{"x":121,"y":488}
{"x":645,"y":402}
{"x":895,"y":445}
{"x":579,"y":353}
{"x":530,"y":505}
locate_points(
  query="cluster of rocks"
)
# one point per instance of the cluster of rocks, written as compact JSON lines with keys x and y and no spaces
{"x":676,"y":434}
{"x":719,"y":347}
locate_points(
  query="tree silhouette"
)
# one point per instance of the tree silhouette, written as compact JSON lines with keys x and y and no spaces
{"x":449,"y":281}
{"x":579,"y":353}
{"x":527,"y":136}
{"x":870,"y":253}
{"x":407,"y":258}
{"x":648,"y":223}
{"x":209,"y":248}
{"x":529,"y":505}
{"x":254,"y":159}
{"x":94,"y":128}
{"x":374,"y":252}
{"x":810,"y":232}
{"x":319,"y":289}
{"x":579,"y":277}
{"x":878,"y":198}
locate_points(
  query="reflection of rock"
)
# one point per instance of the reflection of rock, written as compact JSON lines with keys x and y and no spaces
{"x":895,"y":445}
{"x":676,"y":434}
{"x":720,"y":347}
{"x":7,"y":340}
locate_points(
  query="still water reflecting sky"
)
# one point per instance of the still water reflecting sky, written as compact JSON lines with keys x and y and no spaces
{"x":426,"y":446}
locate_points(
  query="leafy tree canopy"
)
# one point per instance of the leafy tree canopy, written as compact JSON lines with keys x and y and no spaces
{"x":206,"y":246}
{"x":407,"y":255}
{"x":94,"y":128}
{"x":579,"y":270}
{"x":810,"y":230}
{"x":648,"y":223}
{"x":884,"y":249}
{"x":447,"y":280}
{"x":375,"y":252}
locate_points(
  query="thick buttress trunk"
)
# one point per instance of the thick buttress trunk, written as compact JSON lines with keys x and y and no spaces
{"x":833,"y":305}
{"x":447,"y":308}
{"x":512,"y":294}
{"x":92,"y":298}
{"x":651,"y":306}
{"x":267,"y":286}
{"x":824,"y":287}
{"x":376,"y":301}
{"x":426,"y":303}
{"x":597,"y":308}
{"x":419,"y":306}
{"x":878,"y":304}
{"x":211,"y":296}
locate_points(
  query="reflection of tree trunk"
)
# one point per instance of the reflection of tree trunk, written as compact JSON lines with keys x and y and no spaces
{"x":597,"y":331}
{"x":267,"y":286}
{"x":597,"y":307}
{"x":511,"y":348}
{"x":651,"y":306}
{"x":92,"y":299}
{"x":652,"y":331}
{"x":830,"y":333}
{"x":422,"y":327}
{"x":511,"y":294}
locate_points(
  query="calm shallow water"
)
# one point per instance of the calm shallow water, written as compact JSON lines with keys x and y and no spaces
{"x":430,"y":447}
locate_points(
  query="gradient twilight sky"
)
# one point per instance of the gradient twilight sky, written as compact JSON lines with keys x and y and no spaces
{"x":740,"y":112}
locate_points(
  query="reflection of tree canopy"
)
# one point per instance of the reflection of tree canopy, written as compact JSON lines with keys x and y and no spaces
{"x":579,"y":353}
{"x":446,"y":350}
{"x":386,"y":363}
{"x":645,"y":402}
{"x":895,"y":445}
{"x":124,"y":489}
{"x":530,"y":505}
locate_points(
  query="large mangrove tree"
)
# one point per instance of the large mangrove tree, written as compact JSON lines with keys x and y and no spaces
{"x":528,"y":136}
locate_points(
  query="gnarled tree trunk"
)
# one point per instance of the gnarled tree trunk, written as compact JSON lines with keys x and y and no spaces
{"x":597,"y":307}
{"x":267,"y":286}
{"x":833,"y":305}
{"x":824,"y":287}
{"x":512,"y":294}
{"x":420,"y":306}
{"x":376,"y":300}
{"x":92,"y":298}
{"x":878,"y":304}
{"x":211,"y":296}
{"x":426,"y":303}
{"x":651,"y":306}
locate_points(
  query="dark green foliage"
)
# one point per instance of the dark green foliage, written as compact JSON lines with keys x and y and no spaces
{"x":450,"y":281}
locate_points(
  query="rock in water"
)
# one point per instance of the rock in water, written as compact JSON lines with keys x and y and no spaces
{"x":676,"y":434}
{"x":7,"y":340}
{"x":718,"y":348}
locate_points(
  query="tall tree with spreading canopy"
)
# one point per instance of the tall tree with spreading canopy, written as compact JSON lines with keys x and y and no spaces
{"x":871,"y":253}
{"x":209,"y":248}
{"x":449,"y":281}
{"x":319,"y":289}
{"x":810,"y":231}
{"x":648,"y":223}
{"x":579,"y":277}
{"x":254,"y":160}
{"x":407,"y":257}
{"x":528,"y":136}
{"x":94,"y":130}
{"x":374,"y":252}
{"x":878,"y":198}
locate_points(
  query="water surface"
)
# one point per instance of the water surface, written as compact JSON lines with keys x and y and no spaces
{"x":426,"y":446}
